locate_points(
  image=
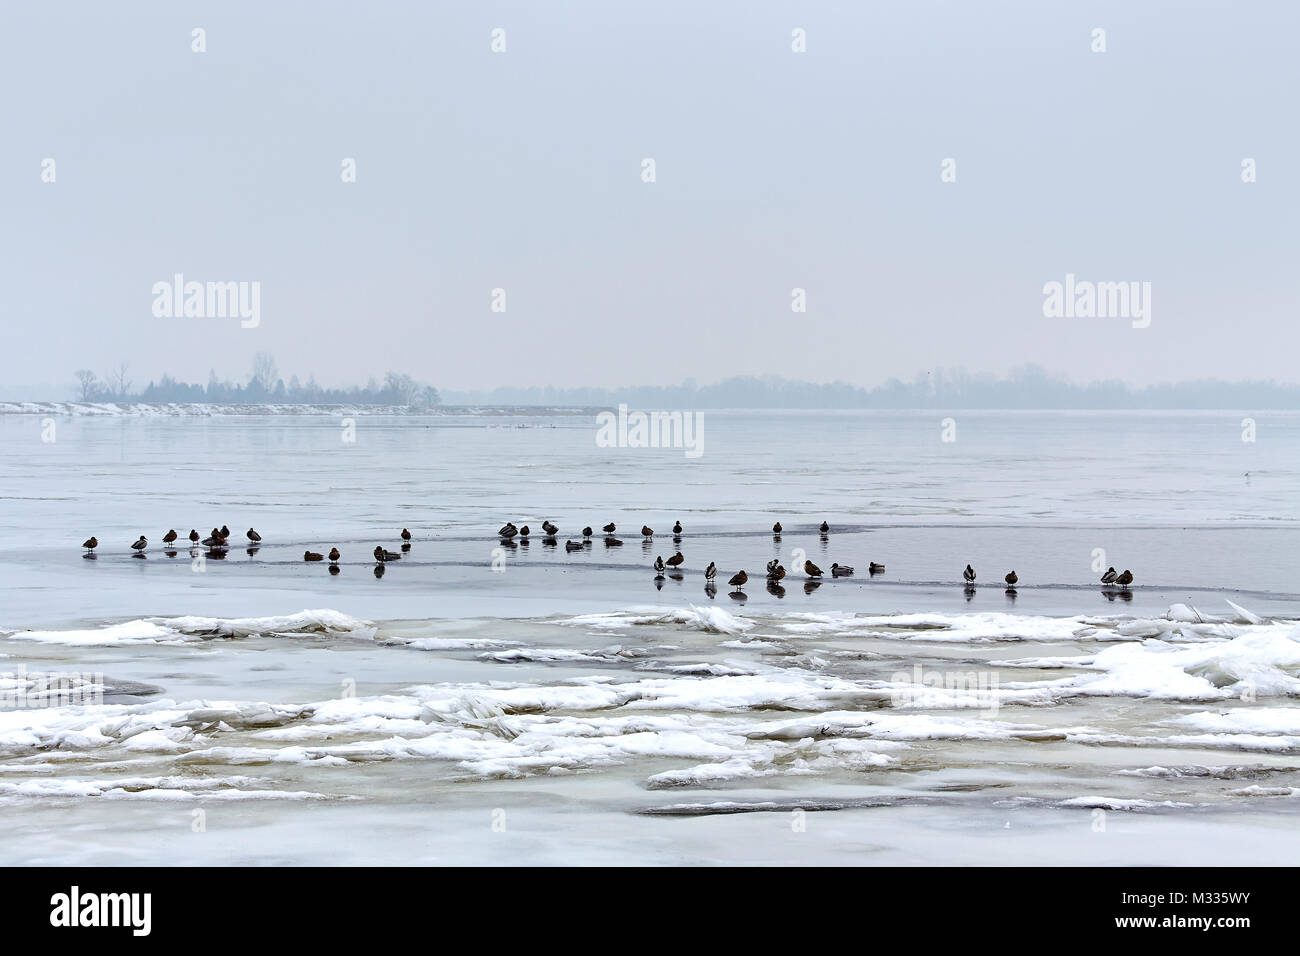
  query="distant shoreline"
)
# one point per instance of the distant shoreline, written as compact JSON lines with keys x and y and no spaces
{"x":231,"y":409}
{"x":215,"y":409}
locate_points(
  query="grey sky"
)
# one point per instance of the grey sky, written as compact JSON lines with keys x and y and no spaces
{"x":774,"y":170}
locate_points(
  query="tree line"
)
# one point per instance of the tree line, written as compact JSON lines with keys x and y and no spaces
{"x":264,"y":385}
{"x":1027,"y":387}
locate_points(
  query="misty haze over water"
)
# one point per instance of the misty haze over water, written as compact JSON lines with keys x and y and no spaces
{"x":1029,"y":387}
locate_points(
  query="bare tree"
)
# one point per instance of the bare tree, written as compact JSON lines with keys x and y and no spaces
{"x":87,"y":383}
{"x":265,"y":371}
{"x":402,"y":387}
{"x":121,"y":384}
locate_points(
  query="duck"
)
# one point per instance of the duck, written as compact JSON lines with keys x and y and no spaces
{"x":659,"y":564}
{"x":776,"y":528}
{"x":524,"y":531}
{"x":170,"y":536}
{"x":710,"y":572}
{"x":586,"y":532}
{"x":406,"y":535}
{"x":225,"y":532}
{"x":141,"y":543}
{"x":508,"y":530}
{"x":647,"y":531}
{"x":1011,"y":579}
{"x":738,"y":579}
{"x":573,"y":546}
{"x":969,"y":574}
{"x":612,"y":542}
{"x":840,"y":570}
{"x":1109,"y":576}
{"x":677,"y":527}
{"x":313,"y":556}
{"x":334,"y":555}
{"x":675,"y":561}
{"x":253,"y":536}
{"x":811,"y":570}
{"x":1125,"y":578}
{"x":213,"y":540}
{"x":194,"y":536}
{"x":874,"y":568}
{"x":775,"y":573}
{"x":383,"y":555}
{"x":824,"y":528}
{"x":609,"y":528}
{"x":91,"y":543}
{"x":549,"y":528}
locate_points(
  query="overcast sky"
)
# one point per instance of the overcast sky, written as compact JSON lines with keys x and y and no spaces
{"x":522,"y":170}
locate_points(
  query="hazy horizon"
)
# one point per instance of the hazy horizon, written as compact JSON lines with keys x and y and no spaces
{"x":1026,"y":387}
{"x":774,"y":170}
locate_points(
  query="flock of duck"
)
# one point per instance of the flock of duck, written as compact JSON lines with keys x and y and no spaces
{"x":217,"y":544}
{"x":775,"y":571}
{"x":217,"y":541}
